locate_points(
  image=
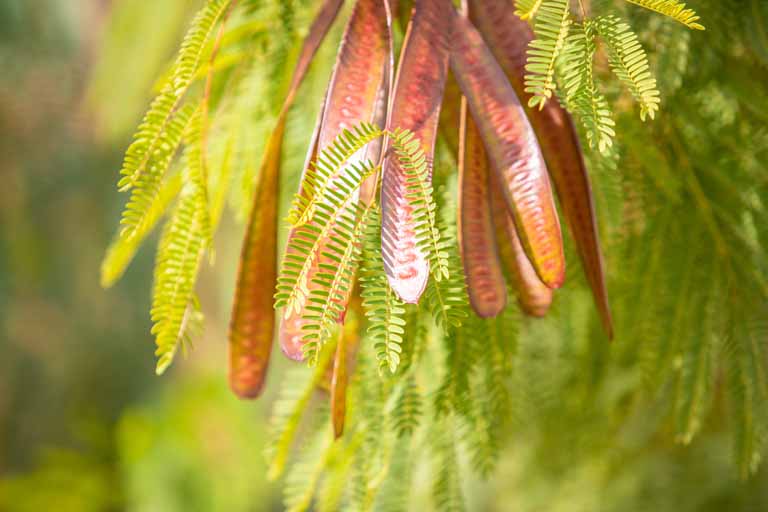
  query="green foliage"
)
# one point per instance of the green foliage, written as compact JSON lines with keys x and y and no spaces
{"x":324,"y":177}
{"x":413,"y":163}
{"x":672,"y":8}
{"x":630,"y":63}
{"x":582,"y":94}
{"x":328,"y":300}
{"x":383,"y":308}
{"x":551,"y":28}
{"x":152,"y":144}
{"x":681,"y":203}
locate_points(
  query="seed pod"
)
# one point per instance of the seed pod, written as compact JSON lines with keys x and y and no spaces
{"x":477,"y":239}
{"x":508,"y":36}
{"x":357,"y":92}
{"x":533,"y":296}
{"x":512,"y":149}
{"x":252,"y":324}
{"x":415,"y":106}
{"x":339,"y":386}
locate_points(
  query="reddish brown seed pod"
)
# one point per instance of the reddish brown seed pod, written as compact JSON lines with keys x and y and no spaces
{"x":252,"y":323}
{"x":533,"y":296}
{"x":508,"y":36}
{"x":512,"y":149}
{"x":477,"y":238}
{"x":415,"y":106}
{"x":357,"y":92}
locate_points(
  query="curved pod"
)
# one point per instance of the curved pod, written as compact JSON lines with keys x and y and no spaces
{"x":508,"y":36}
{"x":512,"y":149}
{"x":533,"y":296}
{"x":252,"y":323}
{"x":477,"y":239}
{"x":357,"y":92}
{"x":415,"y":106}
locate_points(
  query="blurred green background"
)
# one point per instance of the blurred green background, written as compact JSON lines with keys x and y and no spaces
{"x":85,"y":424}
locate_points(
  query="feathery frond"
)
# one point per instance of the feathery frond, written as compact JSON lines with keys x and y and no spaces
{"x":324,"y":177}
{"x":151,"y":142}
{"x":674,"y":9}
{"x":527,"y":9}
{"x":178,"y":259}
{"x":419,"y":192}
{"x":122,"y":250}
{"x":327,"y":301}
{"x":551,"y":29}
{"x":582,"y":94}
{"x":299,"y":384}
{"x":383,"y":308}
{"x":629,"y":62}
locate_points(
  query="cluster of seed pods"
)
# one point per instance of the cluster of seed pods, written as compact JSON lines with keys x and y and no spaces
{"x":460,"y":75}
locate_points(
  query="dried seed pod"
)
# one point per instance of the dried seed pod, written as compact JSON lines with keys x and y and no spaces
{"x":415,"y":106}
{"x":512,"y":149}
{"x":534,"y":297}
{"x":508,"y":36}
{"x":477,"y":239}
{"x":357,"y":92}
{"x":252,"y":324}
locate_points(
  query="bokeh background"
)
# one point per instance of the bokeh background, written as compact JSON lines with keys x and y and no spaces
{"x":85,"y":425}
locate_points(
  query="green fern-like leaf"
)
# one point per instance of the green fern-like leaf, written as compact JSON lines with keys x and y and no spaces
{"x":383,"y":308}
{"x":178,"y":259}
{"x":153,"y":140}
{"x":196,"y":174}
{"x":447,"y":300}
{"x":327,"y":301}
{"x":673,"y":9}
{"x":299,"y":384}
{"x":122,"y":250}
{"x":306,"y":472}
{"x":408,"y":407}
{"x":527,"y":9}
{"x":419,"y":192}
{"x":140,"y":211}
{"x":447,"y":484}
{"x":582,"y":94}
{"x":551,"y":29}
{"x":629,"y":62}
{"x":325,"y":175}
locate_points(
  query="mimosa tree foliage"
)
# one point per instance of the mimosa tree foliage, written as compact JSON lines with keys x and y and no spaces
{"x":417,"y":358}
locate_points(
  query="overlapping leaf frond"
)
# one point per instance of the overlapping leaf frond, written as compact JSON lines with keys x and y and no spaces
{"x":153,"y":140}
{"x":327,"y":301}
{"x":419,"y":193}
{"x":383,"y":308}
{"x":324,"y":176}
{"x":527,"y":9}
{"x":551,"y":28}
{"x":304,"y":250}
{"x":178,"y":258}
{"x":674,"y":9}
{"x":582,"y":95}
{"x":298,"y":386}
{"x":629,"y":62}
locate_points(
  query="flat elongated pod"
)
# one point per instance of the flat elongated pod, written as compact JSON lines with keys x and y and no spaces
{"x":339,"y":386}
{"x":512,"y":149}
{"x":477,"y":238}
{"x":357,"y":93}
{"x":534,"y":297}
{"x":317,"y":32}
{"x":415,"y":106}
{"x":508,"y":36}
{"x":450,"y":114}
{"x":252,"y":323}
